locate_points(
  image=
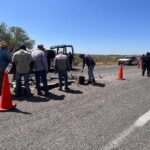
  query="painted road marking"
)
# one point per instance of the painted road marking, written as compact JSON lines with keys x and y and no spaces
{"x":141,"y":121}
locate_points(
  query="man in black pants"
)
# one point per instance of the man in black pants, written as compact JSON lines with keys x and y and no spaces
{"x":144,"y":66}
{"x":89,"y":61}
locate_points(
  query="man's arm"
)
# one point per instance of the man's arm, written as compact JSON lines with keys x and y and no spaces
{"x":55,"y":65}
{"x":44,"y":61}
{"x":83,"y":65}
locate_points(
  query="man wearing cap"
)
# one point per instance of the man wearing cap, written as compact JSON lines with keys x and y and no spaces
{"x":5,"y":59}
{"x":22,"y":60}
{"x":41,"y":68}
{"x":89,"y":61}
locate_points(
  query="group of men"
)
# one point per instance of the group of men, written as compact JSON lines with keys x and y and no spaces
{"x":24,"y":63}
{"x":145,"y":61}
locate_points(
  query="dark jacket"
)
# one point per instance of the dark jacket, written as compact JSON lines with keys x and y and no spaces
{"x":89,"y":61}
{"x":5,"y":59}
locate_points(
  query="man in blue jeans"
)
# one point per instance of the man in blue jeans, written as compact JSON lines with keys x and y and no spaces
{"x":61,"y":67}
{"x":22,"y":61}
{"x":89,"y":61}
{"x":41,"y":68}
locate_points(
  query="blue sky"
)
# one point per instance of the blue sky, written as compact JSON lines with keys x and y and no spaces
{"x":91,"y":26}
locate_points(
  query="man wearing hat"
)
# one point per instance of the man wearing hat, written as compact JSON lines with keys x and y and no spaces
{"x":5,"y":59}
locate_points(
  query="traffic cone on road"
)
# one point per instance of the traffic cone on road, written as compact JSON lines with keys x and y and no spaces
{"x":6,"y":98}
{"x":120,"y":73}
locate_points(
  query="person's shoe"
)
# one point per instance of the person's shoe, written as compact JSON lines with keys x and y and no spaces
{"x":60,"y":89}
{"x":93,"y":83}
{"x":47,"y":93}
{"x":89,"y":82}
{"x":66,"y":88}
{"x":39,"y":93}
{"x":29,"y":95}
{"x":18,"y":96}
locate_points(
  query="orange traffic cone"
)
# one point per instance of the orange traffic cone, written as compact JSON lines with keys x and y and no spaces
{"x":120,"y":73}
{"x":6,"y":98}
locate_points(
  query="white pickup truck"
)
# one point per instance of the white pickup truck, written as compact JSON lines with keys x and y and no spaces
{"x":128,"y":60}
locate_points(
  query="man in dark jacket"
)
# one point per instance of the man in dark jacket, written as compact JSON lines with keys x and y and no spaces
{"x":5,"y":59}
{"x":148,"y":63}
{"x":71,"y":59}
{"x":89,"y":61}
{"x":144,"y":65}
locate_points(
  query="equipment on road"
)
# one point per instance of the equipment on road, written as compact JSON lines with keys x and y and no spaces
{"x":6,"y":98}
{"x":81,"y":80}
{"x":120,"y":73}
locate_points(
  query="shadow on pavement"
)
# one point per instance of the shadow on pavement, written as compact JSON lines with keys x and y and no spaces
{"x":74,"y":91}
{"x":16,"y":110}
{"x":38,"y":98}
{"x":53,"y":96}
{"x":99,"y":84}
{"x":47,"y":98}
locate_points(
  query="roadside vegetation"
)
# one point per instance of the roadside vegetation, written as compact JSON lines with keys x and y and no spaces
{"x":15,"y":37}
{"x":99,"y":59}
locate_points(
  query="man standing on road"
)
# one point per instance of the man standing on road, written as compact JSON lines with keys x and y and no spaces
{"x":89,"y":61}
{"x":144,"y":65}
{"x":22,"y":61}
{"x":71,"y":59}
{"x":61,"y":65}
{"x":148,"y":64}
{"x":5,"y":59}
{"x":41,"y":68}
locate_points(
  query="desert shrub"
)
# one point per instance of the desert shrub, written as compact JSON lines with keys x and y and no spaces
{"x":99,"y":59}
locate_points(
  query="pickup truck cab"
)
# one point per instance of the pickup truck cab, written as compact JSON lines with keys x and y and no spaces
{"x":128,"y":60}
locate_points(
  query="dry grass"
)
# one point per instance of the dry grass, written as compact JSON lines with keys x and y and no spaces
{"x":99,"y":59}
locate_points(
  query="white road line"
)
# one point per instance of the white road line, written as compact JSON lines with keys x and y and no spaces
{"x":141,"y":121}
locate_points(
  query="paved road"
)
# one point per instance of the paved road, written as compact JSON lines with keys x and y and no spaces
{"x":112,"y":115}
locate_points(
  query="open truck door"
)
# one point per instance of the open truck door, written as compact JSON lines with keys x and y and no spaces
{"x":54,"y":50}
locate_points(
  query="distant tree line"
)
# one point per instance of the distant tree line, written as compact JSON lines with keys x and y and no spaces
{"x":15,"y":37}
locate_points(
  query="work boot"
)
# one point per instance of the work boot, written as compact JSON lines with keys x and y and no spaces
{"x":93,"y":82}
{"x":66,"y":88}
{"x":60,"y":89}
{"x":39,"y":93}
{"x":89,"y":82}
{"x":47,"y":94}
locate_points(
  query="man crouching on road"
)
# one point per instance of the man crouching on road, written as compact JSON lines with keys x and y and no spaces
{"x":88,"y":60}
{"x":61,"y":67}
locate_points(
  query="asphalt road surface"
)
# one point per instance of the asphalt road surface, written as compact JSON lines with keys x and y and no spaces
{"x":111,"y":115}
